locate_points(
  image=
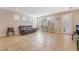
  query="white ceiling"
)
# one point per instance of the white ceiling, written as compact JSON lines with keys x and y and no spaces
{"x":38,"y":11}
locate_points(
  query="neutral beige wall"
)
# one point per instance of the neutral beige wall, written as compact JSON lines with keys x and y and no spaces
{"x":75,"y":19}
{"x":7,"y":20}
{"x":58,"y":23}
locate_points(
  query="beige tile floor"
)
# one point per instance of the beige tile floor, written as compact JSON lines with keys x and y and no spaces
{"x":39,"y":41}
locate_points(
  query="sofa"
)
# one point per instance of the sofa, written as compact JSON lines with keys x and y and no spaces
{"x":24,"y":30}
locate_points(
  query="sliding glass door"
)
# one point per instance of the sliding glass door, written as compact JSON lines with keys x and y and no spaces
{"x":67,"y":23}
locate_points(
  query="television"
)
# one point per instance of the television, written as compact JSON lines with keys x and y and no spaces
{"x":77,"y":29}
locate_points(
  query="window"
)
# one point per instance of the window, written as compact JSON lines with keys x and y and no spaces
{"x":24,"y":18}
{"x":17,"y":17}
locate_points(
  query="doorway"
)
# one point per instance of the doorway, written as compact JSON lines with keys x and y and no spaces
{"x":67,"y":23}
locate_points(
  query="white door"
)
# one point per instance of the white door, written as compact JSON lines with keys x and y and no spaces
{"x":67,"y":23}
